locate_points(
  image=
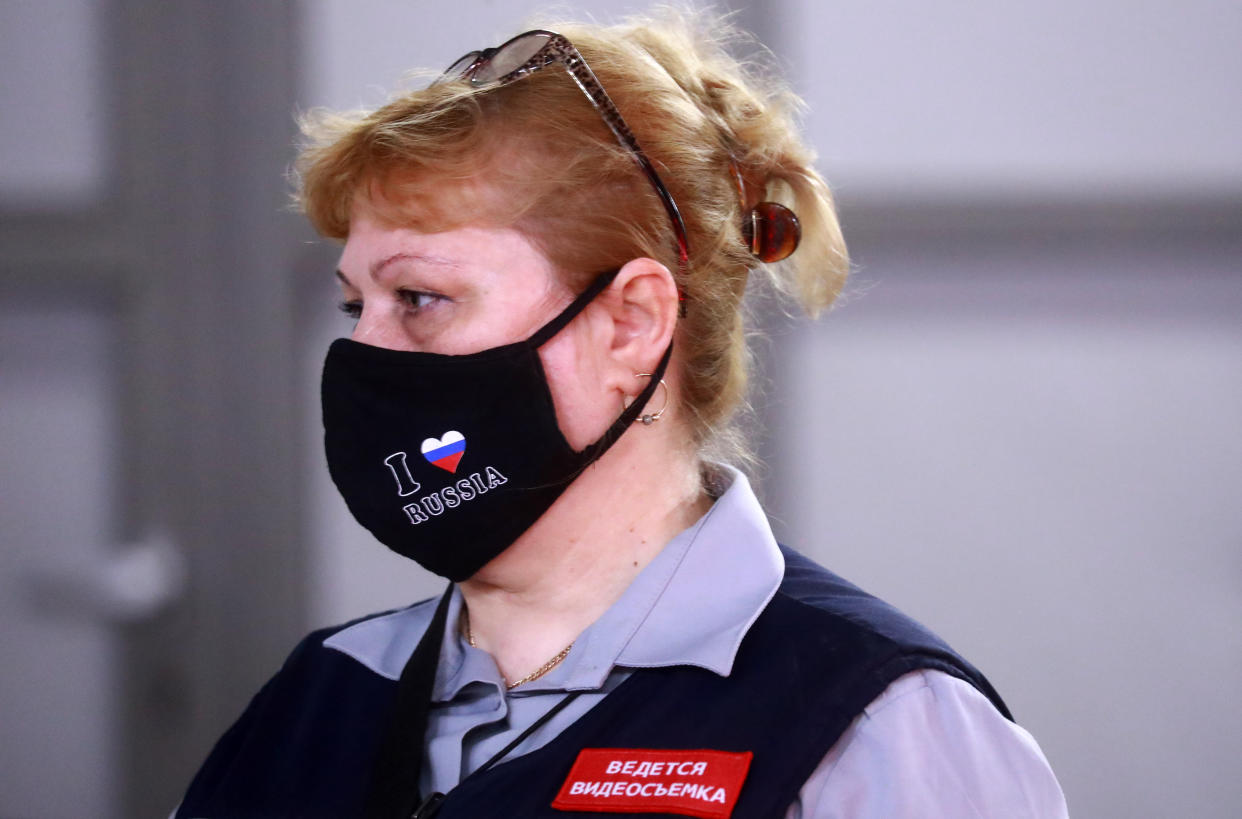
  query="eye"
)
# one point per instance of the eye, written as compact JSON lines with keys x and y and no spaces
{"x":418,"y":299}
{"x":414,"y":300}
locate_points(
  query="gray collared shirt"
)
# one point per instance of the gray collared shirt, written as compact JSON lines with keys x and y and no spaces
{"x":971,"y":760}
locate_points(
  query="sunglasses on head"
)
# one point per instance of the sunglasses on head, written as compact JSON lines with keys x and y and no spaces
{"x":527,"y":53}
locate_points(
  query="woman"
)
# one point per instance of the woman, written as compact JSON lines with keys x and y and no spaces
{"x":534,"y":404}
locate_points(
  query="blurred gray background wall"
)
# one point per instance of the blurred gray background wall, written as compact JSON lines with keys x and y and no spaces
{"x":1020,"y":424}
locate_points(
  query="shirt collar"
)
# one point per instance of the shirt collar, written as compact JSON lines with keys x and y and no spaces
{"x":693,"y":621}
{"x":461,"y":664}
{"x":674,"y":613}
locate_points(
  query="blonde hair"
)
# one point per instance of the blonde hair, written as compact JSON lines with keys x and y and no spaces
{"x":535,"y":155}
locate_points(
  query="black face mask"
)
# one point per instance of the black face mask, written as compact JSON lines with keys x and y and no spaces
{"x":448,"y":459}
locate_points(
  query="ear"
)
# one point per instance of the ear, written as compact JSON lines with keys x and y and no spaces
{"x":640,"y":307}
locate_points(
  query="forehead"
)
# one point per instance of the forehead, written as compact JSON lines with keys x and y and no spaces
{"x":381,"y":251}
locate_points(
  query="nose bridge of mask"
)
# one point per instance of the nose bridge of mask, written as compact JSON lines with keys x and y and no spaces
{"x":547,"y":331}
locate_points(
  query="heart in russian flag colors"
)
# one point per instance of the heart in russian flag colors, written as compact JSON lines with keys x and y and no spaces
{"x":445,"y":451}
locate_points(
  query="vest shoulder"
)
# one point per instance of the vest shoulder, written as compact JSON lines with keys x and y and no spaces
{"x":833,"y":598}
{"x":304,"y":745}
{"x":818,"y":610}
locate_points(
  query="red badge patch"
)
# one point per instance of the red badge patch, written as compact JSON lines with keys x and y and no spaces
{"x":632,"y":780}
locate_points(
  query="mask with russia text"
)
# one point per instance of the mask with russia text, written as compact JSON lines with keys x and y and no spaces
{"x":448,"y":459}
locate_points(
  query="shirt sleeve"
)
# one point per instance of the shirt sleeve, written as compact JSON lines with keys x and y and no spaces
{"x":931,"y":745}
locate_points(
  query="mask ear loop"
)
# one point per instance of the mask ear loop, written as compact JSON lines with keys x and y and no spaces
{"x":544,"y":333}
{"x":628,"y":416}
{"x":631,"y":413}
{"x":770,"y":230}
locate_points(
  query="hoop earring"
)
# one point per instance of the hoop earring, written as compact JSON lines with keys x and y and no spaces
{"x":648,"y":418}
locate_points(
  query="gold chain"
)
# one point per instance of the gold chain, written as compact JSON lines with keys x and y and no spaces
{"x":534,"y":675}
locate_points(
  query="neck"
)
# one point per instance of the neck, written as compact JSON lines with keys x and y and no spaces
{"x":581,"y":555}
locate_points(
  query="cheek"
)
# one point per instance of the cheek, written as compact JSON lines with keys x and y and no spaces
{"x":584,"y":406}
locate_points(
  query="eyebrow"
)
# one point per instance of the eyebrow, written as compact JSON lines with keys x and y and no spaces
{"x":419,"y":258}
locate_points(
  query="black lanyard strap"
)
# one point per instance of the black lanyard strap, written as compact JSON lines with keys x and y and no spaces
{"x":431,"y":805}
{"x":560,"y":706}
{"x":394,"y":792}
{"x":394,"y":778}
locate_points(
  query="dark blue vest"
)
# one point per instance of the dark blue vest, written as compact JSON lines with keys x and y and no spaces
{"x":816,"y":656}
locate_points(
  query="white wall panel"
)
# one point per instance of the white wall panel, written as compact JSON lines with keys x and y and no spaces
{"x":1099,"y":98}
{"x":52,"y":133}
{"x":58,"y":690}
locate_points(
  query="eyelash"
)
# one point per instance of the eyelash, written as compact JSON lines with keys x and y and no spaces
{"x":412,"y":299}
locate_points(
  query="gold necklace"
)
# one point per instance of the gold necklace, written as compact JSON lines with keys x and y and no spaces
{"x":534,"y":675}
